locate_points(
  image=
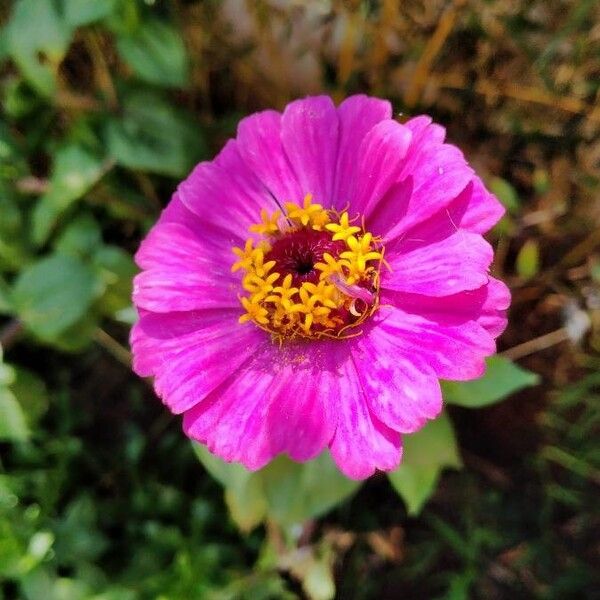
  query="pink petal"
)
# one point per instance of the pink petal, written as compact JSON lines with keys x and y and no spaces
{"x":191,"y":353}
{"x":231,"y":421}
{"x":259,"y":139}
{"x":380,"y":161}
{"x":361,"y":443}
{"x":476,"y":209}
{"x":182,"y":273}
{"x":424,"y":130}
{"x":176,"y":212}
{"x":440,"y":268}
{"x":425,"y":137}
{"x":309,"y":132}
{"x":453,"y":351}
{"x":281,"y":401}
{"x":493,"y":313}
{"x":303,"y":417}
{"x":358,"y":115}
{"x":486,"y":305}
{"x":225,"y":194}
{"x":448,"y":310}
{"x":432,"y":176}
{"x":402,"y":390}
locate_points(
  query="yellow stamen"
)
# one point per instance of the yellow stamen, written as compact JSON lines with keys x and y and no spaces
{"x":342,"y":230}
{"x":268,"y":225}
{"x":330,"y":308}
{"x":309,"y":214}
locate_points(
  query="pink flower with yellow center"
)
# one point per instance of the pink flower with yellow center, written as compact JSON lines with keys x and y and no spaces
{"x":308,"y":287}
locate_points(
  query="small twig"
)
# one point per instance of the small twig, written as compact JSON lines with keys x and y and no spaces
{"x":275,"y":537}
{"x":70,"y":101}
{"x":496,"y":475}
{"x":347,"y":52}
{"x":537,"y":344}
{"x":101,"y":69}
{"x":502,"y":248}
{"x":515,"y":91}
{"x":582,"y":250}
{"x":148,"y":189}
{"x":541,"y":216}
{"x":113,"y":347}
{"x":32,"y":185}
{"x":430,"y":53}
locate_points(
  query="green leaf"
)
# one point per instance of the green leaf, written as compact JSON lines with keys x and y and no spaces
{"x":153,"y":136}
{"x":286,"y":491}
{"x":74,"y":172}
{"x":31,"y":393}
{"x":80,"y":238}
{"x":13,"y":425}
{"x":155,"y":51}
{"x":3,"y":45}
{"x":41,"y":584}
{"x":425,"y":454}
{"x":246,"y":504}
{"x":125,"y":18}
{"x":116,"y":268}
{"x":20,"y":98}
{"x":227,"y":474}
{"x":541,"y":181}
{"x":13,"y":253}
{"x":79,"y":335}
{"x":5,"y":300}
{"x":296,"y":492}
{"x":528,"y":260}
{"x":243,"y":489}
{"x":77,"y":535}
{"x":502,"y":378}
{"x":7,"y":373}
{"x":52,"y":294}
{"x":12,"y":160}
{"x":318,"y":581}
{"x":39,"y":545}
{"x":83,"y":12}
{"x":12,"y":548}
{"x":11,"y":222}
{"x":37,"y":40}
{"x":507,"y":194}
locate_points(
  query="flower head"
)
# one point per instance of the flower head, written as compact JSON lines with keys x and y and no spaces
{"x":308,"y":287}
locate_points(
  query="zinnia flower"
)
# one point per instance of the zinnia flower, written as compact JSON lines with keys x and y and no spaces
{"x":308,"y":287}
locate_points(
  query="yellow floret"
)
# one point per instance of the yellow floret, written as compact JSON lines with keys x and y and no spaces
{"x":245,"y":257}
{"x":342,"y":230}
{"x":268,"y":225}
{"x":325,"y":293}
{"x":283,"y":294}
{"x":330,"y":266}
{"x":259,"y":287}
{"x":309,"y":213}
{"x":254,"y":312}
{"x":260,"y":267}
{"x":360,"y":252}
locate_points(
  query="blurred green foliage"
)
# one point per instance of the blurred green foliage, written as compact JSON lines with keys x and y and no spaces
{"x":105,"y":105}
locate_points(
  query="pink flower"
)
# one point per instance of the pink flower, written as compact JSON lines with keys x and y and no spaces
{"x":359,"y":278}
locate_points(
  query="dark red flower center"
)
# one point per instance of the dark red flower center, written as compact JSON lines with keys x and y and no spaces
{"x":297,"y":252}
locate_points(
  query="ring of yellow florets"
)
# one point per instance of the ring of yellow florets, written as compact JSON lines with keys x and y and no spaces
{"x":346,"y":288}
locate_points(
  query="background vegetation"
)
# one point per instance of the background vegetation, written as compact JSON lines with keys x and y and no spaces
{"x":106,"y":104}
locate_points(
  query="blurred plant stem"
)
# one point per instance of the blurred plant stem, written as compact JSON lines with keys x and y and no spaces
{"x":113,"y":347}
